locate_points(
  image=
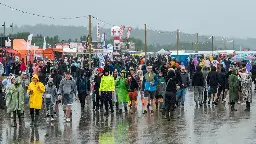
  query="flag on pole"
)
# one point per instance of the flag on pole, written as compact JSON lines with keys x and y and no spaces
{"x":29,"y":41}
{"x":98,"y":32}
{"x":44,"y":44}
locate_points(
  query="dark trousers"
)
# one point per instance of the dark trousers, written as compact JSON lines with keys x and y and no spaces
{"x":2,"y":103}
{"x":32,"y":113}
{"x":16,"y":112}
{"x":98,"y":101}
{"x":82,"y":97}
{"x":170,"y":100}
{"x":107,"y":96}
{"x":221,"y":89}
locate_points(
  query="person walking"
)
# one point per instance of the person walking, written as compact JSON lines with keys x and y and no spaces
{"x":181,"y":93}
{"x":149,"y":84}
{"x":83,"y":88}
{"x":172,"y":85}
{"x":122,"y":93}
{"x":133,"y":87}
{"x":198,"y":83}
{"x":15,"y":94}
{"x":67,"y":91}
{"x":212,"y":81}
{"x":233,"y":81}
{"x":106,"y":90}
{"x":35,"y":91}
{"x":51,"y":97}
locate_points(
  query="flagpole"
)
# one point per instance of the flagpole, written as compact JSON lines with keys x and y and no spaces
{"x":34,"y":51}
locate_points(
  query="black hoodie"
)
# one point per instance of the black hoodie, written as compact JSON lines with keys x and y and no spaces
{"x":198,"y":79}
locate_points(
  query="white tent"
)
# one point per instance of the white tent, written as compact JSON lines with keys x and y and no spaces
{"x":162,"y":51}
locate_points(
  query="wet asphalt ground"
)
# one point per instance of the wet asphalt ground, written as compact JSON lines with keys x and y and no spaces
{"x":191,"y":125}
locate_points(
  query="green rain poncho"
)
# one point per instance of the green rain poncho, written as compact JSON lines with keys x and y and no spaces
{"x":15,"y":94}
{"x":233,"y":82}
{"x":122,"y":90}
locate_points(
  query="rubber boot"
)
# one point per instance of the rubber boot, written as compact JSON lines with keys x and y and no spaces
{"x":247,"y":106}
{"x":156,"y":105}
{"x":36,"y":120}
{"x":168,"y":116}
{"x":116,"y":106}
{"x":20,"y":116}
{"x":32,"y":120}
{"x":233,"y":107}
{"x":125,"y":109}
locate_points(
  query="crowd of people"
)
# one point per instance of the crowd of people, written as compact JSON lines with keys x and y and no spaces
{"x":118,"y":84}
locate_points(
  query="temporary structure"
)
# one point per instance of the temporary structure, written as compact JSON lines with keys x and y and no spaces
{"x":162,"y":51}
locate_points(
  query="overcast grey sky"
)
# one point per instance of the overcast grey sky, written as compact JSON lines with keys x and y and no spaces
{"x":213,"y":17}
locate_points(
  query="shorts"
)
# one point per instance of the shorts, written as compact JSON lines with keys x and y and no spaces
{"x":133,"y":95}
{"x":213,"y":89}
{"x":150,"y":94}
{"x":67,"y":99}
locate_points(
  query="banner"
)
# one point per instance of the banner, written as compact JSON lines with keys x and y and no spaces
{"x":44,"y":44}
{"x":121,"y":32}
{"x":129,"y":32}
{"x":29,"y":41}
{"x":98,"y":32}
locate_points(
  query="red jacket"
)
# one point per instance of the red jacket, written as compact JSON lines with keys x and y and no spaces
{"x":22,"y":67}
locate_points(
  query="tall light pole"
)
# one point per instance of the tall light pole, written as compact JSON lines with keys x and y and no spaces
{"x":11,"y":26}
{"x":90,"y":42}
{"x":177,"y":42}
{"x":4,"y":28}
{"x":212,"y":45}
{"x":145,"y":41}
{"x":197,"y":43}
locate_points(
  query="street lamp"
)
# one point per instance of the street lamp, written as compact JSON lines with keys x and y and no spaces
{"x":4,"y":28}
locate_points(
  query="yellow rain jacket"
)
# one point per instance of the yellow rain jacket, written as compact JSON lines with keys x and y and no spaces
{"x":107,"y":83}
{"x":36,"y":99}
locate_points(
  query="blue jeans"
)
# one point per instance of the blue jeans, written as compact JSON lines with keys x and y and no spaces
{"x":181,"y":94}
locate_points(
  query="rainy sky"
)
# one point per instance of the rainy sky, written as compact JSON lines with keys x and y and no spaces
{"x":230,"y":18}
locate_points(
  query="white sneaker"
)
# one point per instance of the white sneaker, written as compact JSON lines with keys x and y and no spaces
{"x":238,"y":102}
{"x":48,"y":119}
{"x":52,"y":119}
{"x":68,"y":119}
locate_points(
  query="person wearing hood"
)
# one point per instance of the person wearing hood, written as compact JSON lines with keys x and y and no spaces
{"x":56,"y":77}
{"x":246,"y":88}
{"x":35,"y":91}
{"x":198,"y":83}
{"x":212,"y":81}
{"x":253,"y":71}
{"x":83,"y":88}
{"x":122,"y":92}
{"x":25,"y":83}
{"x":115,"y":96}
{"x":15,"y":105}
{"x":172,"y":84}
{"x":222,"y":84}
{"x":233,"y":81}
{"x":73,"y":69}
{"x":106,"y":90}
{"x":10,"y":81}
{"x":51,"y":97}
